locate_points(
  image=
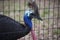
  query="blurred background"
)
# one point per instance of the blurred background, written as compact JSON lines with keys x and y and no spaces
{"x":49,"y":12}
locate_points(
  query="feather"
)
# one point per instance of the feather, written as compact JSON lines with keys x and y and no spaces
{"x":11,"y":29}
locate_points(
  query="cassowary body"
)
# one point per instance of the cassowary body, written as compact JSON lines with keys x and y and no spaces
{"x":11,"y":29}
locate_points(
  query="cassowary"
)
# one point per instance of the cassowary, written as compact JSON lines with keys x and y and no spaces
{"x":13,"y":30}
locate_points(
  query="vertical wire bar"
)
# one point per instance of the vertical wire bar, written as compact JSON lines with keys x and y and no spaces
{"x":42,"y":26}
{"x":57,"y":20}
{"x":35,"y":28}
{"x":44,"y":18}
{"x":3,"y":7}
{"x":14,"y":9}
{"x":53,"y":19}
{"x":19,"y":10}
{"x":36,"y":23}
{"x":8,"y":7}
{"x":39,"y":22}
{"x":48,"y":18}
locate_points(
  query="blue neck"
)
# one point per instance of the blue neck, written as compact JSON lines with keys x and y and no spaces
{"x":28,"y":21}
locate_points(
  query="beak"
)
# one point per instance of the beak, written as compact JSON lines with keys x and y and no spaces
{"x":36,"y":16}
{"x":39,"y":18}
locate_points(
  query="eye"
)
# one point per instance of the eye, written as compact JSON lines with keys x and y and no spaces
{"x":27,"y":14}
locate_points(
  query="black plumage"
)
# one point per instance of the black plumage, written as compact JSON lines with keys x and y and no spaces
{"x":11,"y":29}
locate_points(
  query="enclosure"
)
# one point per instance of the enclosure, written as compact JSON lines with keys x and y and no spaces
{"x":49,"y":12}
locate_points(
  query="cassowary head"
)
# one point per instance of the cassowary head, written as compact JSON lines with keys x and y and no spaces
{"x":33,"y":10}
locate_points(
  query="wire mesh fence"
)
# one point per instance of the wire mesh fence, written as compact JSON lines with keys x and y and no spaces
{"x":49,"y":11}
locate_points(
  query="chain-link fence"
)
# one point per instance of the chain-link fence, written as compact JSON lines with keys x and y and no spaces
{"x":49,"y":12}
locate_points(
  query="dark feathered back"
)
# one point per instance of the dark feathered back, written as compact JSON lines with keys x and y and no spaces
{"x":11,"y":29}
